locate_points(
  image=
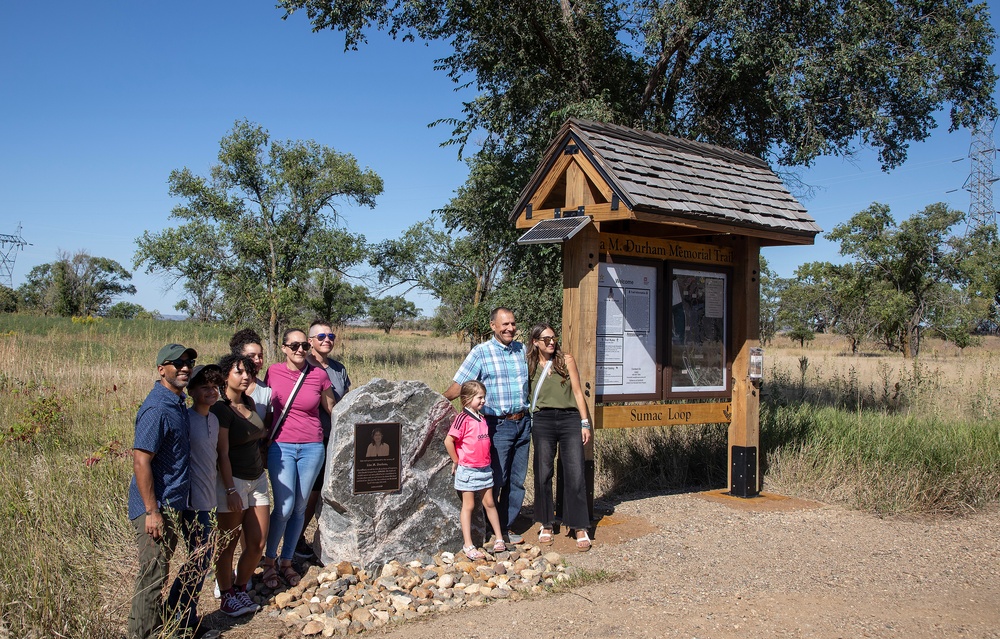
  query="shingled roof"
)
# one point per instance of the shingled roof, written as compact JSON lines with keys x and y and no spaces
{"x":670,"y":176}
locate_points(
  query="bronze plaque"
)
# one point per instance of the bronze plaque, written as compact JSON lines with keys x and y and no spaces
{"x":376,"y":457}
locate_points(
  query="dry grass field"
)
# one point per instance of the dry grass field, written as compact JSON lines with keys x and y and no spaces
{"x":871,"y":431}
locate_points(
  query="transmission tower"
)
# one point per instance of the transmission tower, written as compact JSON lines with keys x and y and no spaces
{"x":979,"y":184}
{"x":9,"y":244}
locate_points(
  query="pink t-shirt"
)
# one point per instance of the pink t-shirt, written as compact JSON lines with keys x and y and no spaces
{"x":472,"y":440}
{"x":302,"y":424}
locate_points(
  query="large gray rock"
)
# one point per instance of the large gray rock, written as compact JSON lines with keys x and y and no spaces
{"x":414,"y":523}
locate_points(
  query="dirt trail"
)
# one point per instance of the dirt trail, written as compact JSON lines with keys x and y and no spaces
{"x":707,"y":565}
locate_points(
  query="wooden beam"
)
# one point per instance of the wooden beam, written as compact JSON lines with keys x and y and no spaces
{"x":638,"y":416}
{"x":599,"y":213}
{"x":555,"y":174}
{"x":744,"y":430}
{"x":577,"y":190}
{"x":777,"y":237}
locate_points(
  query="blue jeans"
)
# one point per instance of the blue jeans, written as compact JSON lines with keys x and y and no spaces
{"x":509,"y":442}
{"x":293,"y":469}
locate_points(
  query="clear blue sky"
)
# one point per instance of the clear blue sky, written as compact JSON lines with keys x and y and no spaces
{"x":100,"y":101}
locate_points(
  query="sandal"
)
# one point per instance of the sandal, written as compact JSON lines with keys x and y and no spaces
{"x":290,"y":575}
{"x":583,"y":543}
{"x":270,"y":577}
{"x":499,"y":546}
{"x":545,"y":536}
{"x":473,"y":553}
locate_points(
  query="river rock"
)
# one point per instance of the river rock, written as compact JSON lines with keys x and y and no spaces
{"x":422,"y":517}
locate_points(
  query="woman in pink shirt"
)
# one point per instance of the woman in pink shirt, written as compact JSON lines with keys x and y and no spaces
{"x":296,"y":453}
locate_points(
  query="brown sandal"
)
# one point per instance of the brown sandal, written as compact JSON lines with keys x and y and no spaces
{"x":270,"y":577}
{"x":291,"y":576}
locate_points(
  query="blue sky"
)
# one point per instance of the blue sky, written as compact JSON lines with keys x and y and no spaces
{"x":100,"y":101}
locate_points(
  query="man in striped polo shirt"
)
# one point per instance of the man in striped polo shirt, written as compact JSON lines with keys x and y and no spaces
{"x":500,"y":365}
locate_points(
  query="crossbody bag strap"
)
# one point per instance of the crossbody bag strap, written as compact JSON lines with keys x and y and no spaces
{"x":541,"y":380}
{"x":288,"y":404}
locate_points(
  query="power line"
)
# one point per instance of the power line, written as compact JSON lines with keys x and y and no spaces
{"x":9,"y":244}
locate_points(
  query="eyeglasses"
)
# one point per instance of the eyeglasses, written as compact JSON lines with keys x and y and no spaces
{"x":294,"y":346}
{"x":324,"y":336}
{"x":549,"y":340}
{"x":180,"y":363}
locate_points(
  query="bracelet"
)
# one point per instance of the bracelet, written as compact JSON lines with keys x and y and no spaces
{"x":150,"y":512}
{"x":231,"y":491}
{"x":585,"y":424}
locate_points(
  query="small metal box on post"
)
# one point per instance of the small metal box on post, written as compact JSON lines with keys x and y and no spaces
{"x":661,"y":285}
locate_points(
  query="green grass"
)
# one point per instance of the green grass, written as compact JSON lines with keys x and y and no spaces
{"x":881,"y":442}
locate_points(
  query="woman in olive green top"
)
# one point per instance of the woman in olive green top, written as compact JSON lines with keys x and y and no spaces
{"x":558,"y":420}
{"x":242,"y":490}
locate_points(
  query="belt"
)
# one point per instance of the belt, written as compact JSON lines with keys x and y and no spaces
{"x":513,"y":417}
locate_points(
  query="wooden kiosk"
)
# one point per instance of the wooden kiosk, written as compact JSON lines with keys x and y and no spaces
{"x":661,"y":295}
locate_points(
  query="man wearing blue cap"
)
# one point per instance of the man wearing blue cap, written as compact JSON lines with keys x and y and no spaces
{"x":160,"y":486}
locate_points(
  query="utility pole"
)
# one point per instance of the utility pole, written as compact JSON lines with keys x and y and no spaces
{"x":982,"y":153}
{"x":9,"y":244}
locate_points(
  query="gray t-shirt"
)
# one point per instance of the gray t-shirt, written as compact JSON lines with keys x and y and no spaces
{"x":337,"y":373}
{"x":262,"y":398}
{"x":204,"y":459}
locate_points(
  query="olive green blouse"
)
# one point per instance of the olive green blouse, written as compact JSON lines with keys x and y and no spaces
{"x":556,"y":392}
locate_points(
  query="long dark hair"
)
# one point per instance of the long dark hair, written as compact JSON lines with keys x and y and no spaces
{"x":558,"y":358}
{"x":228,"y":363}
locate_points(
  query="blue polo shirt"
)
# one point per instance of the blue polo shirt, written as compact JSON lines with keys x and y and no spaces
{"x":503,"y":370}
{"x":162,"y":428}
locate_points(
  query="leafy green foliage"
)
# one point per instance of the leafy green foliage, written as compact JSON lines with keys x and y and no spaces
{"x":328,"y":296}
{"x":124,"y":310}
{"x":385,"y":312}
{"x":78,"y":284}
{"x":255,"y":229}
{"x":8,"y":300}
{"x":789,"y":80}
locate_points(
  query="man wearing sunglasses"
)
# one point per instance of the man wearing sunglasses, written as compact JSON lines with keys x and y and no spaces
{"x":501,"y":366}
{"x":321,"y":339}
{"x":160,"y":484}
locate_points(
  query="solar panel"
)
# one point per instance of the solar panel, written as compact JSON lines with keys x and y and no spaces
{"x":555,"y":230}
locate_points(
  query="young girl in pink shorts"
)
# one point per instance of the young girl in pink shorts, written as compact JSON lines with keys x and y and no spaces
{"x":468,"y":444}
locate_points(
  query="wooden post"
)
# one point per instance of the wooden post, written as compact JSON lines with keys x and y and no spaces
{"x":579,"y":324}
{"x":744,"y":429}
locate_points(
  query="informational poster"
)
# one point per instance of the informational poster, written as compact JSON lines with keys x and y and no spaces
{"x":626,"y":330}
{"x":376,"y":457}
{"x":698,"y":331}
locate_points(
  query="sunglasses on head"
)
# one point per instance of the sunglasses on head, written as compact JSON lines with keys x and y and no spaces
{"x":324,"y":336}
{"x":549,"y":340}
{"x":294,"y":346}
{"x":180,"y":363}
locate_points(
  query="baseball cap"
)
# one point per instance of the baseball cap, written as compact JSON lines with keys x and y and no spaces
{"x":174,"y":351}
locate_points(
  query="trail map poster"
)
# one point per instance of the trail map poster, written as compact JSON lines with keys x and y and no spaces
{"x":626,"y":330}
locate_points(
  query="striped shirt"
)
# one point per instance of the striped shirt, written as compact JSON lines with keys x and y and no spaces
{"x":503,"y":370}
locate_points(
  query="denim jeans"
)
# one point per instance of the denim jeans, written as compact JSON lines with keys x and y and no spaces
{"x":197,"y":528}
{"x":293,"y":469}
{"x":509,"y":443}
{"x":551,"y":429}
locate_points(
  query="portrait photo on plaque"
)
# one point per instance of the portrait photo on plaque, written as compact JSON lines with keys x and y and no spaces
{"x":376,"y":457}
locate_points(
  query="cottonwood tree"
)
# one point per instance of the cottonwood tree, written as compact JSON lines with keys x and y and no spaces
{"x":256,"y":227}
{"x":386,"y":312}
{"x":789,"y":81}
{"x":77,"y":284}
{"x":335,"y":300}
{"x":913,"y":270}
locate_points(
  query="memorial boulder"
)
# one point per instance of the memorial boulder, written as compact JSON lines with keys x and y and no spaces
{"x":388,"y":494}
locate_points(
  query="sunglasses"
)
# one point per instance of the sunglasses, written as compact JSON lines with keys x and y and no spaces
{"x":324,"y":336}
{"x":294,"y":346}
{"x":180,"y":363}
{"x":549,"y":340}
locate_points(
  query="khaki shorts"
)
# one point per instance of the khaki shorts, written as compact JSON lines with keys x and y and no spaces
{"x":253,"y":492}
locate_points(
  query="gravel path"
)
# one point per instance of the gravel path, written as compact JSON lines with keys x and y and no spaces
{"x":714,"y":566}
